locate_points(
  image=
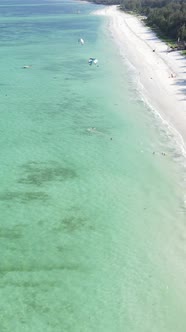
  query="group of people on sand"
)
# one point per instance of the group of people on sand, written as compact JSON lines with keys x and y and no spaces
{"x":172,"y":75}
{"x":162,"y":153}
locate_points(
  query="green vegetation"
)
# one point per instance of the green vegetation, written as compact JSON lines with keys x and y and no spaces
{"x":166,"y":17}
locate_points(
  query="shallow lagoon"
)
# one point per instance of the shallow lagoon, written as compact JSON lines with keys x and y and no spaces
{"x":92,"y":228}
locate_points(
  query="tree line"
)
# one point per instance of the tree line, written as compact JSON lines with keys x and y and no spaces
{"x":168,"y":16}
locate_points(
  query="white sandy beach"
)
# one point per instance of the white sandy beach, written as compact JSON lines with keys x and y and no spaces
{"x":166,"y":94}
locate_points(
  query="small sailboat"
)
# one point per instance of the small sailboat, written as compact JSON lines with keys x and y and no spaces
{"x":26,"y":67}
{"x":81,"y":41}
{"x":92,"y":60}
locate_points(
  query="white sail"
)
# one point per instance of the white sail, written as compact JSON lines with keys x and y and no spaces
{"x":81,"y":41}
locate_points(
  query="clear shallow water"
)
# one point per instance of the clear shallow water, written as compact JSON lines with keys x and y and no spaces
{"x":92,"y":232}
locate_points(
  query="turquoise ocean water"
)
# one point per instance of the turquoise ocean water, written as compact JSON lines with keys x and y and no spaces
{"x":92,"y":223}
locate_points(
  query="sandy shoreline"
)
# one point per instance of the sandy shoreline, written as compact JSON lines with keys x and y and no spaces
{"x":166,"y":94}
